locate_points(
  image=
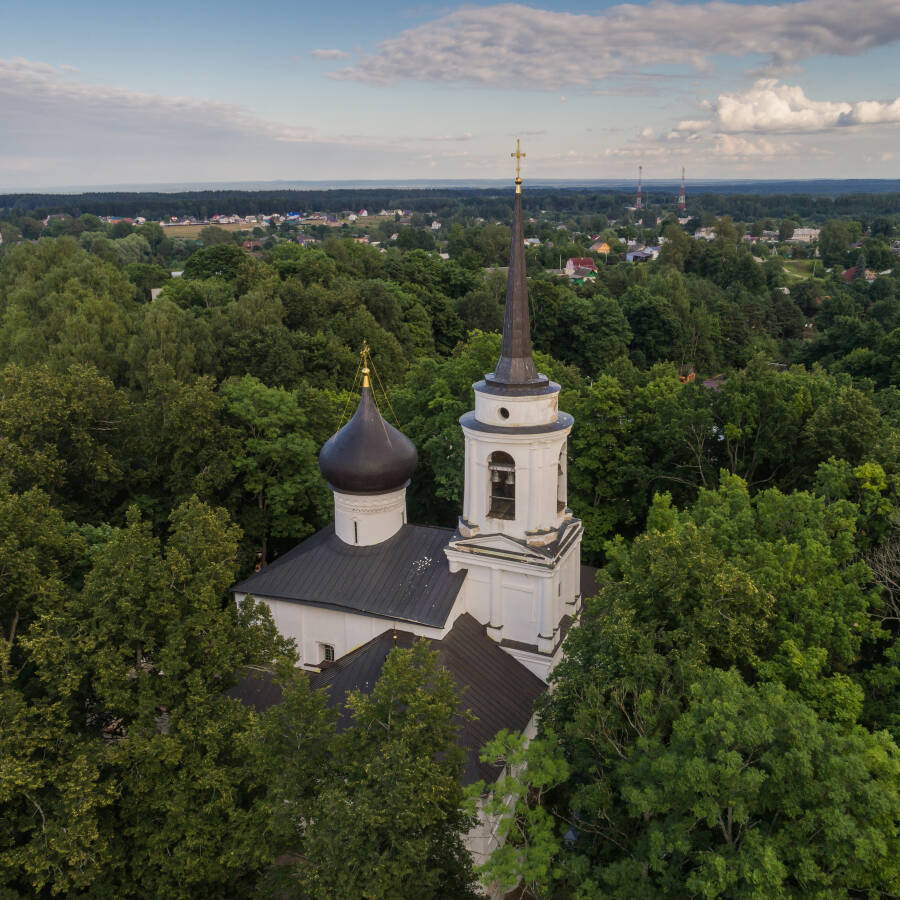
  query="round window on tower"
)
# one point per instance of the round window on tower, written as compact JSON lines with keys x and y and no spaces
{"x":504,"y":412}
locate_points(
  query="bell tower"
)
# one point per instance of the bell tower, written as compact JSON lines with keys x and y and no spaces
{"x":517,"y":537}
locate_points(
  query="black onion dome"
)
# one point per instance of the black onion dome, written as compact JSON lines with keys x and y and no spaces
{"x":368,"y":456}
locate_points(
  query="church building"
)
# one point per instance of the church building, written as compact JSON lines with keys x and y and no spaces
{"x":496,"y":594}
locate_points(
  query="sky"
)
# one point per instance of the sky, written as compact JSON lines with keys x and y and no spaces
{"x":111,"y":93}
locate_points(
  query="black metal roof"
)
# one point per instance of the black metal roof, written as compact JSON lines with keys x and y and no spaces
{"x":258,"y":688}
{"x":405,"y":578}
{"x":496,"y":688}
{"x":367,"y":456}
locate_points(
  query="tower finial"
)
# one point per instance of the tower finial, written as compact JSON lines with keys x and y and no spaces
{"x":364,"y":355}
{"x":519,"y":156}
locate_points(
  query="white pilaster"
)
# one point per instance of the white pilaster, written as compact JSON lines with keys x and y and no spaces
{"x":547,"y":627}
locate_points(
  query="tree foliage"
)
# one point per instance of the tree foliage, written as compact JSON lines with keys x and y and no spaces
{"x":722,"y":722}
{"x":703,"y":733}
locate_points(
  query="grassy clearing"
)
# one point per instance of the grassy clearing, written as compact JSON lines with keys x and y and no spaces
{"x":193,"y":231}
{"x":804,"y":268}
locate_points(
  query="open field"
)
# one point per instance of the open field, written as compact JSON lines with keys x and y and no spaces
{"x":193,"y":231}
{"x":804,"y":268}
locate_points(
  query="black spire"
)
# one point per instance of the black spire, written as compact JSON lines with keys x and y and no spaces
{"x":515,"y":368}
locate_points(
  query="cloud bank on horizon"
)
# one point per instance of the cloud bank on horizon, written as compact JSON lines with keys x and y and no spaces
{"x":511,"y":45}
{"x":732,"y":89}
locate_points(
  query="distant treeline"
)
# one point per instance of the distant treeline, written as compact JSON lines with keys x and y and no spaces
{"x":451,"y":202}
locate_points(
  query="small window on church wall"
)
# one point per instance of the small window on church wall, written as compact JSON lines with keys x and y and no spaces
{"x":502,"y":470}
{"x":326,"y":651}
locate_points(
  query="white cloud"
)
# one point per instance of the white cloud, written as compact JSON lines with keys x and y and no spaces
{"x":328,"y":54}
{"x":769,"y":107}
{"x":732,"y":146}
{"x":510,"y":45}
{"x":60,"y":130}
{"x":36,"y":97}
{"x":438,"y":138}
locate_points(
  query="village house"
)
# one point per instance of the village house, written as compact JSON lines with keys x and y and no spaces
{"x":645,"y":254}
{"x":804,"y":235}
{"x":579,"y":265}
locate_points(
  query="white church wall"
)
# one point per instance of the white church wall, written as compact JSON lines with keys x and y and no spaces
{"x":366,"y":519}
{"x":477,"y":597}
{"x":484,"y":837}
{"x":541,"y":664}
{"x":524,"y":602}
{"x":511,"y":411}
{"x":312,"y":627}
{"x":520,"y":599}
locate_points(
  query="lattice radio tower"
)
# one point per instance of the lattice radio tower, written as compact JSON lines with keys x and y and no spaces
{"x":682,"y":202}
{"x":639,"y":203}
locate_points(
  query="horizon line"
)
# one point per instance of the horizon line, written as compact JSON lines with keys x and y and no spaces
{"x":417,"y":183}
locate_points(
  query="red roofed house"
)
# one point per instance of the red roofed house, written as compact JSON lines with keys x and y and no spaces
{"x":580,"y":262}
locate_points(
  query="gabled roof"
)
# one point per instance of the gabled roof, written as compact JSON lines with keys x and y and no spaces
{"x":405,"y":578}
{"x":497,"y":688}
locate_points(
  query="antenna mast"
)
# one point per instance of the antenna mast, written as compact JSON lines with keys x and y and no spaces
{"x":682,"y":202}
{"x":639,"y":204}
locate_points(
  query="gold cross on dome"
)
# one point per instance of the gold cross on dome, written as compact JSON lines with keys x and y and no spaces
{"x":364,"y":355}
{"x":519,"y":156}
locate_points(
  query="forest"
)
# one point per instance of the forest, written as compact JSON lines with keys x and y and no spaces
{"x":813,"y":201}
{"x":726,"y":717}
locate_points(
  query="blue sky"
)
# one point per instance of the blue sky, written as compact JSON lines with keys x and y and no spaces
{"x":111,"y":93}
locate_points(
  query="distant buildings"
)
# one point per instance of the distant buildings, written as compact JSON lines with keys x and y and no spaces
{"x":804,"y":235}
{"x":579,"y":266}
{"x":644,"y":254}
{"x":850,"y":275}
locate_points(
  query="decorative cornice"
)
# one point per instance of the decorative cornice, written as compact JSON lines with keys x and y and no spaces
{"x":355,"y":503}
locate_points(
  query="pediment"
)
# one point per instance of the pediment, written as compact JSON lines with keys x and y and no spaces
{"x":498,"y":542}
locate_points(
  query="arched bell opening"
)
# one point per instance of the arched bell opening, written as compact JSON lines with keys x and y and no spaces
{"x":502,"y":485}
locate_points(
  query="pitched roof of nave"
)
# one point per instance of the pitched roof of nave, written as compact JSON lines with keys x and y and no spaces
{"x":497,"y":688}
{"x":406,"y":578}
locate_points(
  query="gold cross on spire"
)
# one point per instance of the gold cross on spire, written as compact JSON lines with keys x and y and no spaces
{"x":518,"y":156}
